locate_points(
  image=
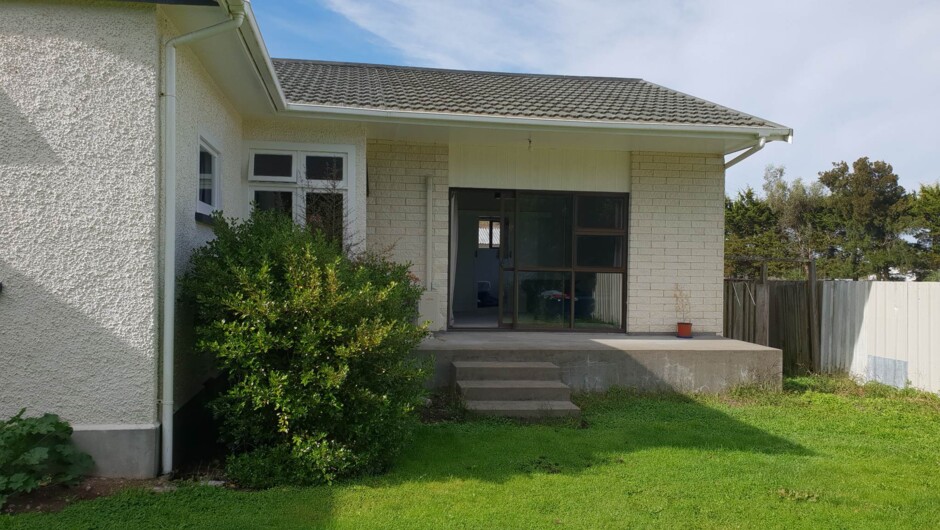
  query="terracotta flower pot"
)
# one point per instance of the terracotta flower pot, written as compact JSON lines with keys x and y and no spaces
{"x":684,"y":330}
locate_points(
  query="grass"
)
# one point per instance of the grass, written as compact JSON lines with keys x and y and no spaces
{"x":825,"y":453}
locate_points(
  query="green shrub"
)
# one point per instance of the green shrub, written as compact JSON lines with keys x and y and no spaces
{"x":316,"y":348}
{"x":37,"y":452}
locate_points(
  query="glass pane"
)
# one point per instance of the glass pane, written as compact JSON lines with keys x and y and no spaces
{"x":600,"y":212}
{"x":507,"y":298}
{"x":598,"y":300}
{"x":206,"y":176}
{"x":487,"y":232}
{"x":544,"y":299}
{"x":324,"y":167}
{"x":483,"y":233}
{"x":600,"y":251}
{"x":325,"y":213}
{"x":270,"y":165}
{"x":507,"y":229}
{"x":282,"y":201}
{"x":544,"y":230}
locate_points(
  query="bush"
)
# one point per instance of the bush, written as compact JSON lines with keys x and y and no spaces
{"x":316,"y":348}
{"x":37,"y":452}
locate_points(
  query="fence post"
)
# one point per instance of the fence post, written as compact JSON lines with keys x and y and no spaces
{"x":813,"y":316}
{"x":762,"y":313}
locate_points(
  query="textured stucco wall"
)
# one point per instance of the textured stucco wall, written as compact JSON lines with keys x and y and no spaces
{"x":78,"y":218}
{"x":202,"y":110}
{"x":676,"y":237}
{"x":397,"y":213}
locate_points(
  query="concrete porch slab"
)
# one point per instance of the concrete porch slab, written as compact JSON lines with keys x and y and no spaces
{"x":597,"y":361}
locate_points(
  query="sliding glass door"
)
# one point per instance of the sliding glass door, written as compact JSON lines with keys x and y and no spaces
{"x":563,"y":261}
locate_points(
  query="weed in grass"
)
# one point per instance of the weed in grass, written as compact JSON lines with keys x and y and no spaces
{"x":797,"y":496}
{"x":541,"y":465}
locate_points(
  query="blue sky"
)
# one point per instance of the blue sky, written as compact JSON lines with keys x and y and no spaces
{"x":853,"y":78}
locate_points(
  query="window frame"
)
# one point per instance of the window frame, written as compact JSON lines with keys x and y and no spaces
{"x":202,"y":207}
{"x":299,"y":185}
{"x":252,"y":177}
{"x":302,"y":168}
{"x":490,"y":220}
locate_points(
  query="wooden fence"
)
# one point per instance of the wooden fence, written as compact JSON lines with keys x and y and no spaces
{"x":877,"y":331}
{"x":777,"y":314}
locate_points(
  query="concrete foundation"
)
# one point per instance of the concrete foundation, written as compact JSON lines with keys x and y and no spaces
{"x":596,"y":362}
{"x":126,"y":451}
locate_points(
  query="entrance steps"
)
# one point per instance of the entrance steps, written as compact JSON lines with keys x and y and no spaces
{"x":514,"y":389}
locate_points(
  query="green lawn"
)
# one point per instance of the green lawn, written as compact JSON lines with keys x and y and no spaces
{"x":824,"y":454}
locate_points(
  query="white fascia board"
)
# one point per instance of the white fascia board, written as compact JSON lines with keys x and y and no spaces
{"x":258,"y":52}
{"x":442,"y":118}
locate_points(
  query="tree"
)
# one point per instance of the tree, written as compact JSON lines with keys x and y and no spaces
{"x":867,"y":204}
{"x":750,"y":230}
{"x":924,"y":224}
{"x":800,"y":212}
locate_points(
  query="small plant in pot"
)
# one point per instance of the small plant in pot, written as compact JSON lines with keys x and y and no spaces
{"x":683,"y":326}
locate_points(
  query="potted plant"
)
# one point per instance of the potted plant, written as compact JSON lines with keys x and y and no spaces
{"x":683,"y":327}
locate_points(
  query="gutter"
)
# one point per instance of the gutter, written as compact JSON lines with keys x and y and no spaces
{"x":353,"y":113}
{"x":169,"y":222}
{"x":761,"y":142}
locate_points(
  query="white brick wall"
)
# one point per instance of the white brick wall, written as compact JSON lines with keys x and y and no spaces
{"x":676,"y":229}
{"x":396,"y":212}
{"x":676,"y":237}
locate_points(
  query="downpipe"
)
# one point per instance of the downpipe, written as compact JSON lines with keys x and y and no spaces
{"x":169,"y":226}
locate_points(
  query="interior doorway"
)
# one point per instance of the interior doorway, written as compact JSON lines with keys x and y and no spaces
{"x":475,"y":296}
{"x":541,"y":260}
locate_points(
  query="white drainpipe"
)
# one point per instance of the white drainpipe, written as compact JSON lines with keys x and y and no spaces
{"x":429,"y":234}
{"x":169,"y":224}
{"x":761,"y":142}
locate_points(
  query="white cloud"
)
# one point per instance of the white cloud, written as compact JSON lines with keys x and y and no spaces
{"x":853,"y":79}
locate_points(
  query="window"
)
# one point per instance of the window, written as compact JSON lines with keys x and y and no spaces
{"x":324,"y":167}
{"x":309,"y":182}
{"x":208,"y":193}
{"x":282,"y":201}
{"x":488,"y":232}
{"x":325,"y":213}
{"x":271,"y":166}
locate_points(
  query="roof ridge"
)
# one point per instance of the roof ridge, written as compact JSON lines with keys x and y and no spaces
{"x":455,"y":70}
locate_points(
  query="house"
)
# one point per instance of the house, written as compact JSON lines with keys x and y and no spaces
{"x":524,"y":202}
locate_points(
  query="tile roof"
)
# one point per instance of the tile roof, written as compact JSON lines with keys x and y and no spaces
{"x":400,"y":88}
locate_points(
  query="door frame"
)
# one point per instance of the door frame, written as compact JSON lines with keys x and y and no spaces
{"x":572,"y":270}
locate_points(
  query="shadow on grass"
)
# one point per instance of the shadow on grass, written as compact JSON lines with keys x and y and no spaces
{"x":619,"y":428}
{"x":614,"y":425}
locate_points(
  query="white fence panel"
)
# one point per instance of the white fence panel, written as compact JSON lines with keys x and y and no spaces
{"x":882,"y":331}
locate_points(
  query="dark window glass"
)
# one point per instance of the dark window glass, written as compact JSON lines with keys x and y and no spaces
{"x":507,"y":297}
{"x":270,"y":165}
{"x":544,"y":230}
{"x":282,"y":201}
{"x":600,"y":212}
{"x":324,"y":167}
{"x":206,"y":176}
{"x":544,"y":299}
{"x":325,"y":213}
{"x":600,"y":251}
{"x":598,"y":300}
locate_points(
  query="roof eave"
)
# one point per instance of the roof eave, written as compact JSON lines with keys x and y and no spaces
{"x":770,"y":134}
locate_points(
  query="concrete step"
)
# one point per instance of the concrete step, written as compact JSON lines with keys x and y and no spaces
{"x":524,"y":409}
{"x":505,"y":371}
{"x":514,"y":390}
